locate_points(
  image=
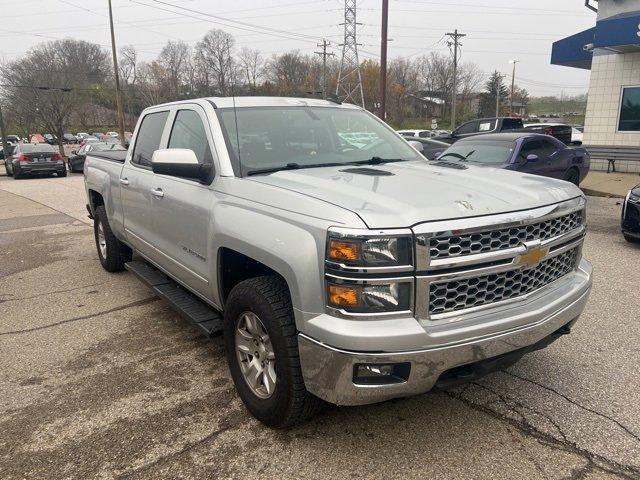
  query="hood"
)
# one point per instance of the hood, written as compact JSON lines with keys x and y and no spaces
{"x":409,"y":193}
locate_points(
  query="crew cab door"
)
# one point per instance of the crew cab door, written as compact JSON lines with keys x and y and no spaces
{"x":182,"y":208}
{"x":136,"y":183}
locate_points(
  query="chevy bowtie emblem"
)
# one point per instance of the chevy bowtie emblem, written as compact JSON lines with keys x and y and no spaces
{"x":532,"y":256}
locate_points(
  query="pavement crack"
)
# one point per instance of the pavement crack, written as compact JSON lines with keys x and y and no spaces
{"x":84,"y":317}
{"x":573,"y":402}
{"x":44,"y":294}
{"x":596,"y":461}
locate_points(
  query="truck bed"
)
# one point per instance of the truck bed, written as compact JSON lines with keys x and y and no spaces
{"x":113,"y":156}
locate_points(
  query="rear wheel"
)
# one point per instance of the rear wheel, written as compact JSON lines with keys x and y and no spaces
{"x":573,"y":176}
{"x":113,"y":254}
{"x":62,"y":173}
{"x":16,"y":174}
{"x":261,"y":343}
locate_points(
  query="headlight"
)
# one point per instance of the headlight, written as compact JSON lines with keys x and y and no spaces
{"x":634,"y":198}
{"x":352,"y":250}
{"x":365,"y":298}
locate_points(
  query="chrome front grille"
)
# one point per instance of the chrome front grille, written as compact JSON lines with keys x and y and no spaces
{"x":465,"y":293}
{"x":468,"y":265}
{"x":494,"y":240}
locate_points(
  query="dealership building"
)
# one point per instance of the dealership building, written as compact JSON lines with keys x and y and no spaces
{"x":611,"y":50}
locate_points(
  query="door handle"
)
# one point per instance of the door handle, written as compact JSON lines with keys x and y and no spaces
{"x":124,"y":181}
{"x":157,"y":192}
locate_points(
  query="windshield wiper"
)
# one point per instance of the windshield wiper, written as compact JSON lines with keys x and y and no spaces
{"x":377,"y":161}
{"x":296,"y":166}
{"x":462,"y":158}
{"x":293,"y":166}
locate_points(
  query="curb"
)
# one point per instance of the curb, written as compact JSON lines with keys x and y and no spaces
{"x":597,"y":193}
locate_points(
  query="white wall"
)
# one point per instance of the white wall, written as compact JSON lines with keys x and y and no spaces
{"x":609,"y":73}
{"x":609,"y":8}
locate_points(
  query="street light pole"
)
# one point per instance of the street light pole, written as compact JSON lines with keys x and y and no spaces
{"x":513,"y":85}
{"x":116,"y":75}
{"x":383,"y":59}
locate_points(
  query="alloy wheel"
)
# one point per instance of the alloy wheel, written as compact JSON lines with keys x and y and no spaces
{"x":255,"y":355}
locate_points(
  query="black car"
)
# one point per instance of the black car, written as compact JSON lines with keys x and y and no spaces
{"x":430,"y":148}
{"x":10,"y":149}
{"x":69,"y":138}
{"x":50,"y":139}
{"x":631,"y":216}
{"x":29,"y":159}
{"x":75,"y":162}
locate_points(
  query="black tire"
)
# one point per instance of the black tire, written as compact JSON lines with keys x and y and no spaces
{"x":62,"y":173}
{"x":573,"y":175}
{"x":69,"y":166}
{"x":631,"y":239}
{"x":268,"y":298}
{"x":16,"y":174}
{"x":116,"y":252}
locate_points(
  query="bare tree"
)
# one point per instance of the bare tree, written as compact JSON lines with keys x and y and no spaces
{"x":174,"y":57}
{"x":214,"y":57}
{"x":53,"y":80}
{"x":251,"y":63}
{"x":288,"y":72}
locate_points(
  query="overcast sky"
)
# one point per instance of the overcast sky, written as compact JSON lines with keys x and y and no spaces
{"x":497,"y":31}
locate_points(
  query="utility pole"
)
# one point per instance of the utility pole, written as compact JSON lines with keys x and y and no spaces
{"x":513,"y":85}
{"x":324,"y":56}
{"x":456,"y":43}
{"x":3,"y":138}
{"x":498,"y":95}
{"x":383,"y":59}
{"x":116,"y":75}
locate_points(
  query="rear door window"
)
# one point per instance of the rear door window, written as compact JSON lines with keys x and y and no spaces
{"x":188,"y":132}
{"x":148,"y":138}
{"x":530,"y":147}
{"x":469,"y":127}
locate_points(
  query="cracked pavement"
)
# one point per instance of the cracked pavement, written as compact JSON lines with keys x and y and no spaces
{"x":101,"y":379}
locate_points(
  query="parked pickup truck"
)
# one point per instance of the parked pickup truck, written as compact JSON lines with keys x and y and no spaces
{"x":483,"y":126}
{"x":338,"y":271}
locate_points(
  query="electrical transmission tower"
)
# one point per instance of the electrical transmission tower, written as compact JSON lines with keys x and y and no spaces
{"x":349,"y":87}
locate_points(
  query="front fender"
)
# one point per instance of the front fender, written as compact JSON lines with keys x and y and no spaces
{"x":293,"y":250}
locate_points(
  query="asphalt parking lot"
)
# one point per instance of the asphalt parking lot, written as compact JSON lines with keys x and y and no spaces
{"x":100,"y":379}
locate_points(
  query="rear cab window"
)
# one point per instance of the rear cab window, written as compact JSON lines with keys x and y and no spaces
{"x":148,"y":138}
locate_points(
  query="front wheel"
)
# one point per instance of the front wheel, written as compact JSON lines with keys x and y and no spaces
{"x":631,"y":239}
{"x":113,"y":254}
{"x":261,"y":346}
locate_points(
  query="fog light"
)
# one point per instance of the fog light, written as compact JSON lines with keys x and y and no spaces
{"x":381,"y":373}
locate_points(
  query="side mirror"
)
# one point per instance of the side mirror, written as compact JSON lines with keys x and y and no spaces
{"x":532,"y":157}
{"x":577,"y":143}
{"x":417,"y":145}
{"x":180,"y":162}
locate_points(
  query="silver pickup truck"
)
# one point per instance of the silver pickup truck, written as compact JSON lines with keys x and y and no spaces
{"x":339,"y":264}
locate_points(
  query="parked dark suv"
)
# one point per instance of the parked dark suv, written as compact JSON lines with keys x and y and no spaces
{"x":631,"y":216}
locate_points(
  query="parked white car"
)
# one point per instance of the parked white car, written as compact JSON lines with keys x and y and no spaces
{"x":112,"y":134}
{"x":417,"y":133}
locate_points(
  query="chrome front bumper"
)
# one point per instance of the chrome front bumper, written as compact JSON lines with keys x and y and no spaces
{"x":329,"y":371}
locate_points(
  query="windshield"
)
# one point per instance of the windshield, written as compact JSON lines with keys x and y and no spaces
{"x":486,"y":152}
{"x":37,"y":148}
{"x":303,"y":137}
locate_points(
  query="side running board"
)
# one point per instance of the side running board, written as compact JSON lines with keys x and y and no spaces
{"x":185,"y":303}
